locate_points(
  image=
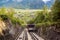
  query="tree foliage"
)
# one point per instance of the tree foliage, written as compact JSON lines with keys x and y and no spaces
{"x":9,"y":14}
{"x":56,"y":11}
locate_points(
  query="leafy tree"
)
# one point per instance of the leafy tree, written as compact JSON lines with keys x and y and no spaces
{"x":39,"y":18}
{"x":56,"y":11}
{"x":3,"y":11}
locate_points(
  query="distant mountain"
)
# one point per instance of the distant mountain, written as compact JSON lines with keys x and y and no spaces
{"x":27,"y":4}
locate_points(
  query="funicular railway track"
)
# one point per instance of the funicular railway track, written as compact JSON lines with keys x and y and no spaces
{"x":33,"y":36}
{"x":23,"y":36}
{"x":17,"y":35}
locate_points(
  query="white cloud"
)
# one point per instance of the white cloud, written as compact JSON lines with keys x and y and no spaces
{"x":46,"y":0}
{"x":17,"y":0}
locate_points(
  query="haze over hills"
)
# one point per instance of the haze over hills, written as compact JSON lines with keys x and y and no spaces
{"x":25,"y":4}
